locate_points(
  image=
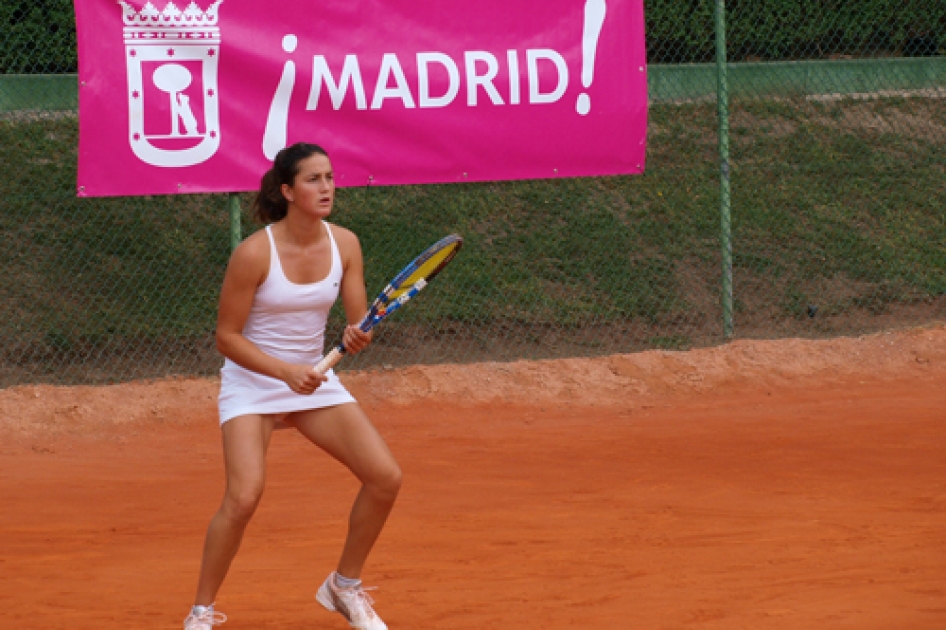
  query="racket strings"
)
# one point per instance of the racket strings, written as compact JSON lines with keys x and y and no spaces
{"x":419,"y":277}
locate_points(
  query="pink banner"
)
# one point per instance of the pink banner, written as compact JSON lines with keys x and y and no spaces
{"x":198,"y":98}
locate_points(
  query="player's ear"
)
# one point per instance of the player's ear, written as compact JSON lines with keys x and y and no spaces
{"x":286,"y":191}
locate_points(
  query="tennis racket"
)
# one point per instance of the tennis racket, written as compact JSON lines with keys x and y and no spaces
{"x":402,"y":288}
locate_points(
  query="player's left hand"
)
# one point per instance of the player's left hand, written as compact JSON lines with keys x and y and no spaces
{"x":355,"y":339}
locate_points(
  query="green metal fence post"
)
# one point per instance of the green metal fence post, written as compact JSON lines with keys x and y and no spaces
{"x":722,"y":106}
{"x":236,"y":230}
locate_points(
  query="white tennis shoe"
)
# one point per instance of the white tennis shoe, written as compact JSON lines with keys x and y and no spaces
{"x":205,"y":620}
{"x":354,"y":604}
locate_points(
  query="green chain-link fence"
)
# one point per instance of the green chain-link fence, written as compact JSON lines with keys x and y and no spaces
{"x":828,"y":217}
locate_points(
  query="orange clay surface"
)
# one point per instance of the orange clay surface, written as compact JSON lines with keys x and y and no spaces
{"x":761,"y":485}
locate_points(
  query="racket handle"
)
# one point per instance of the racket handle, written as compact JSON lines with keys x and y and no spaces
{"x":329,"y":360}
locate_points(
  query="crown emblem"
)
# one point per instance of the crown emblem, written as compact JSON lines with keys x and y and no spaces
{"x":171,"y":58}
{"x":171,"y":23}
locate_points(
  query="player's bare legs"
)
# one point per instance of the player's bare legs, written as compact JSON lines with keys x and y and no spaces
{"x":245,"y":441}
{"x":346,"y":433}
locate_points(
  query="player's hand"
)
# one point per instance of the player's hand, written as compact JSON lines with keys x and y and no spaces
{"x":303,"y":379}
{"x":355,"y":339}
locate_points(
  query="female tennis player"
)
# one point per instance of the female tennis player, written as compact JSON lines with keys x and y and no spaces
{"x":274,"y":303}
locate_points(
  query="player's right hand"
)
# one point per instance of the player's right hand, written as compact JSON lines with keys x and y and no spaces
{"x":303,"y":379}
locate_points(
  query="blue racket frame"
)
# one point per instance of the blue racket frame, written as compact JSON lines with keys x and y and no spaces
{"x":385,"y":303}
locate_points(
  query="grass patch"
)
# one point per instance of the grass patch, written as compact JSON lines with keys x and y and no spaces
{"x":838,"y":205}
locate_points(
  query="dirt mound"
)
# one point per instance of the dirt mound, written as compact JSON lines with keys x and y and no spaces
{"x":628,"y":380}
{"x":623,"y":380}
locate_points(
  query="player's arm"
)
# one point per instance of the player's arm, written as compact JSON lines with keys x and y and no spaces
{"x":247,"y":269}
{"x":352,"y":290}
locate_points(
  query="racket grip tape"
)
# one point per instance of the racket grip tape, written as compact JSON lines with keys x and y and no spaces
{"x":329,"y":360}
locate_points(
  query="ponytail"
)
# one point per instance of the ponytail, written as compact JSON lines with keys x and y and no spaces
{"x":270,"y":205}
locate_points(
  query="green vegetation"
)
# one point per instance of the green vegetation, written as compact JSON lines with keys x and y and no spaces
{"x":39,"y":37}
{"x":681,"y":31}
{"x":837,"y":205}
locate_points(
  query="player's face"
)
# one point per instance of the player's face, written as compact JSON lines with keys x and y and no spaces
{"x":313,"y":190}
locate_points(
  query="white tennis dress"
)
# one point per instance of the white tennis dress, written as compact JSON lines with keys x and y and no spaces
{"x":287,"y":321}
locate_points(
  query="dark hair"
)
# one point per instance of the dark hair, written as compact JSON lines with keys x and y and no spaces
{"x":270,"y":205}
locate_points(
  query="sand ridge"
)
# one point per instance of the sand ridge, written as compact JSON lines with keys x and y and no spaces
{"x":625,"y":381}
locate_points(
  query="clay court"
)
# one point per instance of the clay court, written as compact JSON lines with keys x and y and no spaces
{"x":764,"y":484}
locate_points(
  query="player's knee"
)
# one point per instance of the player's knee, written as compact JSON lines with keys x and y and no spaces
{"x":388,"y":483}
{"x":241,"y":505}
{"x":394,"y":480}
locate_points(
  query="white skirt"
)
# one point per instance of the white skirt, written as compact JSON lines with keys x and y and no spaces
{"x":244,"y":392}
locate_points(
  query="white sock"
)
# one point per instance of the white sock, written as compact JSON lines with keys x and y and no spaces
{"x":197,"y":611}
{"x":343,"y":582}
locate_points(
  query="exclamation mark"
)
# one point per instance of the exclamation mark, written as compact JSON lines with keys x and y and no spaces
{"x":277,"y":121}
{"x":594,"y":20}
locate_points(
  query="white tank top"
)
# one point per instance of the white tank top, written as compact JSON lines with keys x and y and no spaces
{"x":287,"y":321}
